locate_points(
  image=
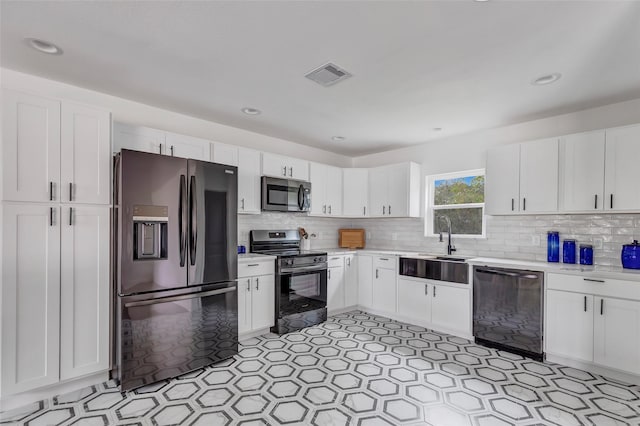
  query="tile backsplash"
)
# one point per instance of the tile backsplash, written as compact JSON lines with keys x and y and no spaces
{"x":515,"y":237}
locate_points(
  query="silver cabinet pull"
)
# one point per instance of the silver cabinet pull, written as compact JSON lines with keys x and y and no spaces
{"x":384,"y":210}
{"x":50,"y":216}
{"x":291,"y":171}
{"x":284,"y":170}
{"x":384,"y":258}
{"x":377,"y":273}
{"x":324,"y":209}
{"x":434,"y":291}
{"x":160,"y":149}
{"x":70,"y":216}
{"x":524,"y":204}
{"x":329,"y":209}
{"x":172,"y":150}
{"x":364,"y":211}
{"x":426,"y":290}
{"x":389,"y":208}
{"x":601,"y":306}
{"x":348,"y":261}
{"x":513,"y":204}
{"x":611,"y":201}
{"x":242,"y":201}
{"x":593,"y":281}
{"x":50,"y":191}
{"x":253,"y":264}
{"x":248,"y":284}
{"x":585,"y":303}
{"x":335,"y":258}
{"x":257,"y":283}
{"x":70,"y":191}
{"x":596,"y":202}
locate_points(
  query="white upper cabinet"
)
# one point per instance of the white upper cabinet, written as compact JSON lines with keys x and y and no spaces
{"x":31,"y":148}
{"x":502,"y":176}
{"x":248,"y":181}
{"x":187,"y":147}
{"x":622,"y":191}
{"x":522,"y":178}
{"x":582,"y":172}
{"x":539,"y":176}
{"x":222,"y":153}
{"x":128,"y":136}
{"x":394,"y":191}
{"x":326,"y":190}
{"x":355,"y":192}
{"x":285,"y":167}
{"x":85,"y":155}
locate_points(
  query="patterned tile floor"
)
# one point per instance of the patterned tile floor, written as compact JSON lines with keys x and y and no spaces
{"x":356,"y":369}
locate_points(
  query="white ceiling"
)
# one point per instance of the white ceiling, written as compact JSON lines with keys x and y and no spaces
{"x":459,"y":65}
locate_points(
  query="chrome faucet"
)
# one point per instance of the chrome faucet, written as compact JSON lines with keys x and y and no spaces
{"x":450,"y":248}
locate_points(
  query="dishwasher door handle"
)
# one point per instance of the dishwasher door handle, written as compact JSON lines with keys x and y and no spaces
{"x":509,"y":273}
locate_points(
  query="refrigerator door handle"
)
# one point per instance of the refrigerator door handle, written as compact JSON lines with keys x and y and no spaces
{"x":181,"y":297}
{"x":182,"y":220}
{"x":193,"y":214}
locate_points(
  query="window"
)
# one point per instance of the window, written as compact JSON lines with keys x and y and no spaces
{"x":460,"y":197}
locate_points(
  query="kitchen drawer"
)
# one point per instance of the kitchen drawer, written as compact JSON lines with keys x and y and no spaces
{"x":335,"y":261}
{"x":610,"y":287}
{"x":252,"y":269}
{"x":384,"y":262}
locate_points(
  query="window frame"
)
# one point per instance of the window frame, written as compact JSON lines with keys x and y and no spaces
{"x":431,"y":208}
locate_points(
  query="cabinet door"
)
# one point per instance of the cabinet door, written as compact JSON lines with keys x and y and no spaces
{"x":262,"y":302}
{"x":384,"y":290}
{"x":318,"y":179}
{"x":502,"y":180}
{"x":84,"y":319}
{"x":274,"y":165}
{"x":350,"y":280}
{"x":398,"y":191}
{"x":244,"y":305}
{"x":355,"y":192}
{"x":248,"y":181}
{"x":188,"y":147}
{"x":582,"y":172}
{"x":539,"y":176}
{"x":31,"y":148}
{"x":333,"y":191}
{"x":569,"y":325}
{"x":413,"y":300}
{"x":298,"y":169}
{"x":335,"y":288}
{"x":378,"y":192}
{"x":85,"y":155}
{"x":126,"y":136}
{"x":450,"y":309}
{"x":30,"y":297}
{"x":622,"y":191}
{"x":617,"y":334}
{"x":365,"y":281}
{"x":222,"y":153}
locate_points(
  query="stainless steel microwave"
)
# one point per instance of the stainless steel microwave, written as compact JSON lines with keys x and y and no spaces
{"x":284,"y":195}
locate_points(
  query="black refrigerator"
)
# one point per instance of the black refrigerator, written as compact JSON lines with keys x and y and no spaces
{"x":175,"y":266}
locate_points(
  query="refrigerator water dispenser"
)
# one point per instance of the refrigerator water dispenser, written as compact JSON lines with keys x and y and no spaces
{"x":150,"y":226}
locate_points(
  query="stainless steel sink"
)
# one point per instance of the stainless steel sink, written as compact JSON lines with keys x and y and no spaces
{"x":451,"y":259}
{"x":440,"y":268}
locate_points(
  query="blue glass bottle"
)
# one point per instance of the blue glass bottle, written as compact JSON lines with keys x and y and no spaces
{"x":553,"y":246}
{"x":569,"y":251}
{"x":586,"y":254}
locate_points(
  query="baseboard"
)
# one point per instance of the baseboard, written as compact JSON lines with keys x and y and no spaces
{"x":595,"y":369}
{"x":21,"y":399}
{"x":252,"y":334}
{"x":342,"y":310}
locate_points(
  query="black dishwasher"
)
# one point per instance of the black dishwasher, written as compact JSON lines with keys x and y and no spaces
{"x":508,"y":310}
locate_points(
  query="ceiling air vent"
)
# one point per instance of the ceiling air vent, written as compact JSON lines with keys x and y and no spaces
{"x":328,"y":75}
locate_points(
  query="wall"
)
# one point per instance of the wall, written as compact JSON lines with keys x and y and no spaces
{"x":136,"y":113}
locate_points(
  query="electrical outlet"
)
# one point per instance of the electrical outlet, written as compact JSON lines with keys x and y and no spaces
{"x":368,"y":235}
{"x":394,"y":236}
{"x":597,"y":243}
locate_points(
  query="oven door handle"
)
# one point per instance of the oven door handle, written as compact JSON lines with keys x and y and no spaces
{"x":303,"y":269}
{"x":181,"y":297}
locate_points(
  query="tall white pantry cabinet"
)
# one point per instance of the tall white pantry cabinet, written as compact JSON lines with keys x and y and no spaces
{"x":56,"y":172}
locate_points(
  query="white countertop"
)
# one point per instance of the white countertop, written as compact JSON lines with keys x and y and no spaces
{"x":250,"y":257}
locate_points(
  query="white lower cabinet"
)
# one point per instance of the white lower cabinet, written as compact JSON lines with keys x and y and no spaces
{"x":256,"y":296}
{"x":350,"y":280}
{"x":365,"y":280}
{"x":439,"y":306}
{"x":384,"y":287}
{"x":335,"y":288}
{"x":586,"y":324}
{"x":55,"y":294}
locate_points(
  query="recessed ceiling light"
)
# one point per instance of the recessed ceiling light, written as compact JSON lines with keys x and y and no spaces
{"x":337,"y":138}
{"x":44,"y":46}
{"x":547,"y":79}
{"x":251,"y":111}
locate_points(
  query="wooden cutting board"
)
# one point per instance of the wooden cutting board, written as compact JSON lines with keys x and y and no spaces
{"x":351,"y":238}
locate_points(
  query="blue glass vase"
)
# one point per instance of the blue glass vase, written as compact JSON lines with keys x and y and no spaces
{"x":569,"y":251}
{"x":553,"y":246}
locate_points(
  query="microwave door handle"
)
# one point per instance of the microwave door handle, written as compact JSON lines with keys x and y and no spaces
{"x":301,"y":197}
{"x":182,"y":220}
{"x":193,"y":214}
